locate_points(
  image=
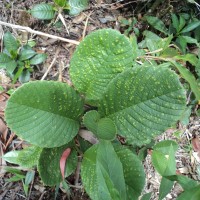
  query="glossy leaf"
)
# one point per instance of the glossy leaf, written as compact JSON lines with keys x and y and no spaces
{"x":77,"y":6}
{"x":191,"y":26}
{"x":43,"y":11}
{"x":143,"y":102}
{"x":100,"y":57}
{"x":157,"y":24}
{"x":49,"y":164}
{"x":38,"y":59}
{"x":175,"y":22}
{"x":25,"y":76}
{"x":45,"y":113}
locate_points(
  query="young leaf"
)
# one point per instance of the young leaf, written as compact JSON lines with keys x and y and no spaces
{"x":38,"y":59}
{"x":191,"y":26}
{"x":27,"y":157}
{"x":10,"y":42}
{"x":106,"y":129}
{"x":29,"y":177}
{"x":182,"y":23}
{"x":38,"y":112}
{"x":97,"y":60}
{"x":157,"y":24}
{"x":43,"y":11}
{"x":49,"y":164}
{"x":77,"y":6}
{"x":60,"y":3}
{"x":90,"y":120}
{"x":25,"y":54}
{"x":143,"y":102}
{"x":175,"y":22}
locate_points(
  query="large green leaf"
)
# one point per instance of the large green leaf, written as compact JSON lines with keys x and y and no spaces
{"x":45,"y":113}
{"x":77,"y":6}
{"x":105,"y":169}
{"x":165,"y":187}
{"x":49,"y":165}
{"x":97,"y":60}
{"x":27,"y":157}
{"x":43,"y":11}
{"x":143,"y":102}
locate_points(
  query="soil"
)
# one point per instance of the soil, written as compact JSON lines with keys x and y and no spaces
{"x":100,"y":14}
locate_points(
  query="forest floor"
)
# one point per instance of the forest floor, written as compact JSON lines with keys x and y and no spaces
{"x":100,"y":14}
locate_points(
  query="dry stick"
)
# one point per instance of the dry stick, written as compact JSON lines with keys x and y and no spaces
{"x":78,"y":169}
{"x":86,"y":23}
{"x":52,"y":63}
{"x":25,"y":28}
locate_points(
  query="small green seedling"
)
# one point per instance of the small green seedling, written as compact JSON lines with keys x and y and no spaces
{"x":46,"y":11}
{"x":17,"y":60}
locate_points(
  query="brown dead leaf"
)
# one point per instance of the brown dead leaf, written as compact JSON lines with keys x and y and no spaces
{"x":196,"y":145}
{"x":80,"y":18}
{"x":3,"y":127}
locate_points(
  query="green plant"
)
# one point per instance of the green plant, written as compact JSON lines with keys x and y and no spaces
{"x":163,"y":159}
{"x":137,"y":102}
{"x":20,"y":176}
{"x":47,"y":11}
{"x":17,"y":60}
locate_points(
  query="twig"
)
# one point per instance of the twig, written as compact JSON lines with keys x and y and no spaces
{"x":25,"y":28}
{"x":52,"y":63}
{"x":78,"y":169}
{"x":86,"y":23}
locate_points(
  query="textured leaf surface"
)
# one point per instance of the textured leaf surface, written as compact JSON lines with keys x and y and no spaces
{"x":43,"y":11}
{"x":10,"y":42}
{"x":106,"y":129}
{"x":7,"y":63}
{"x":133,"y":172}
{"x":143,"y":102}
{"x":102,"y":170}
{"x":27,"y":157}
{"x":90,"y":120}
{"x":45,"y":113}
{"x":49,"y":164}
{"x":97,"y":60}
{"x":77,"y":6}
